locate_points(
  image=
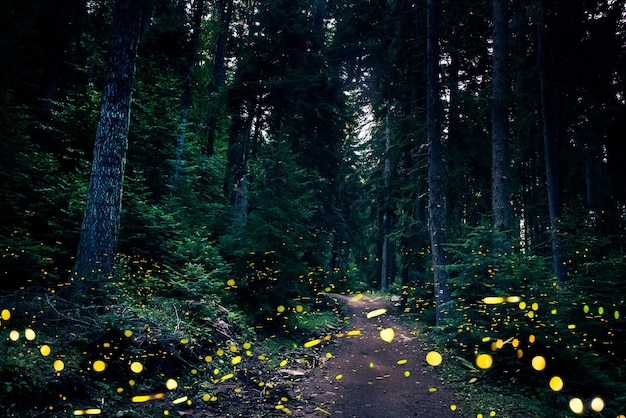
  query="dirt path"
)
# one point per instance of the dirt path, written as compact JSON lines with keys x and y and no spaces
{"x":372,"y":383}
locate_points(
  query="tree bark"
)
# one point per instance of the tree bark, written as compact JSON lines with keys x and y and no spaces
{"x":436,"y":193}
{"x":101,"y":222}
{"x":550,"y":140}
{"x":500,"y":184}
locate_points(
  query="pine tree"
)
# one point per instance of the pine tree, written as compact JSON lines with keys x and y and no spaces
{"x":98,"y":240}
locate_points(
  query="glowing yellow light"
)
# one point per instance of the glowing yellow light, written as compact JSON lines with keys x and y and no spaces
{"x":616,"y":314}
{"x":531,"y":338}
{"x":312,"y":343}
{"x":206,"y":397}
{"x":233,"y":348}
{"x":91,"y":411}
{"x":452,"y":407}
{"x":339,"y":376}
{"x":146,"y":398}
{"x":432,"y":389}
{"x":180,"y":400}
{"x":571,"y":326}
{"x":58,"y":365}
{"x":299,"y":308}
{"x":226,"y":377}
{"x":586,"y":309}
{"x":493,"y":300}
{"x":515,"y":343}
{"x":136,"y":367}
{"x":329,"y":355}
{"x":6,"y":314}
{"x":484,"y":361}
{"x":280,"y":308}
{"x":407,"y":373}
{"x":184,"y":341}
{"x":29,"y":334}
{"x":513,"y":299}
{"x":522,"y":305}
{"x":171,"y":384}
{"x":538,"y":363}
{"x":556,"y":383}
{"x":403,"y":361}
{"x":576,"y":405}
{"x":14,"y":335}
{"x":601,"y":310}
{"x":597,"y":404}
{"x":236,"y":360}
{"x":284,"y":363}
{"x":128,"y":333}
{"x":230,"y":282}
{"x":376,"y":312}
{"x":358,"y":296}
{"x":434,"y":358}
{"x":247,"y":346}
{"x":387,"y":334}
{"x":354,"y":332}
{"x":98,"y":366}
{"x":534,"y":306}
{"x":44,"y":350}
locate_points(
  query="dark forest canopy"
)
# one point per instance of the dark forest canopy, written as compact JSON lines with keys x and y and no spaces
{"x":277,"y":149}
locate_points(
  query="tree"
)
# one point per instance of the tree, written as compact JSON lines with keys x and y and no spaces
{"x":101,"y":222}
{"x":436,"y":196}
{"x":550,"y":138}
{"x":500,"y":186}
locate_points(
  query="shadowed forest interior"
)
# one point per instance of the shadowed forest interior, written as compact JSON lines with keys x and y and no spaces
{"x":184,"y":182}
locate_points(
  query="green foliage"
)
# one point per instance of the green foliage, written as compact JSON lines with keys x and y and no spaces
{"x":172,"y":323}
{"x":508,"y":306}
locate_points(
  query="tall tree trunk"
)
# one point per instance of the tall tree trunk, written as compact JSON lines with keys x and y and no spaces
{"x":219,"y":73}
{"x":187,"y":97}
{"x":500,"y":184}
{"x":436,"y":192}
{"x":386,"y":256}
{"x":101,"y":222}
{"x":240,"y":147}
{"x":550,"y":140}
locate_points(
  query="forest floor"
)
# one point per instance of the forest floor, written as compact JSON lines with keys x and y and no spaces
{"x":363,"y":378}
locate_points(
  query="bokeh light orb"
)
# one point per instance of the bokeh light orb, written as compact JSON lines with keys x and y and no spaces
{"x":484,"y":361}
{"x":434,"y":358}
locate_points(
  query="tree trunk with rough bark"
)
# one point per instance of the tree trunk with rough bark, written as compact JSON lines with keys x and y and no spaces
{"x":436,"y":190}
{"x":500,"y":184}
{"x":101,"y":223}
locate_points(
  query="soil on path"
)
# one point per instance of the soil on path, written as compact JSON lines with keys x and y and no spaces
{"x":364,"y":379}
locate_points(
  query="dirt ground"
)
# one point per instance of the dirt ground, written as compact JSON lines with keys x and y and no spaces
{"x":364,"y":379}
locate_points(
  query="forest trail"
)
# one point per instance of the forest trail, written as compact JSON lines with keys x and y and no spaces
{"x":371,"y":383}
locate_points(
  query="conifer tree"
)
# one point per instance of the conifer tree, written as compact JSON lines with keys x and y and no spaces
{"x":98,"y":239}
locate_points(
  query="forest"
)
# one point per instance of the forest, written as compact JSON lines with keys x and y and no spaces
{"x":183,"y":181}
